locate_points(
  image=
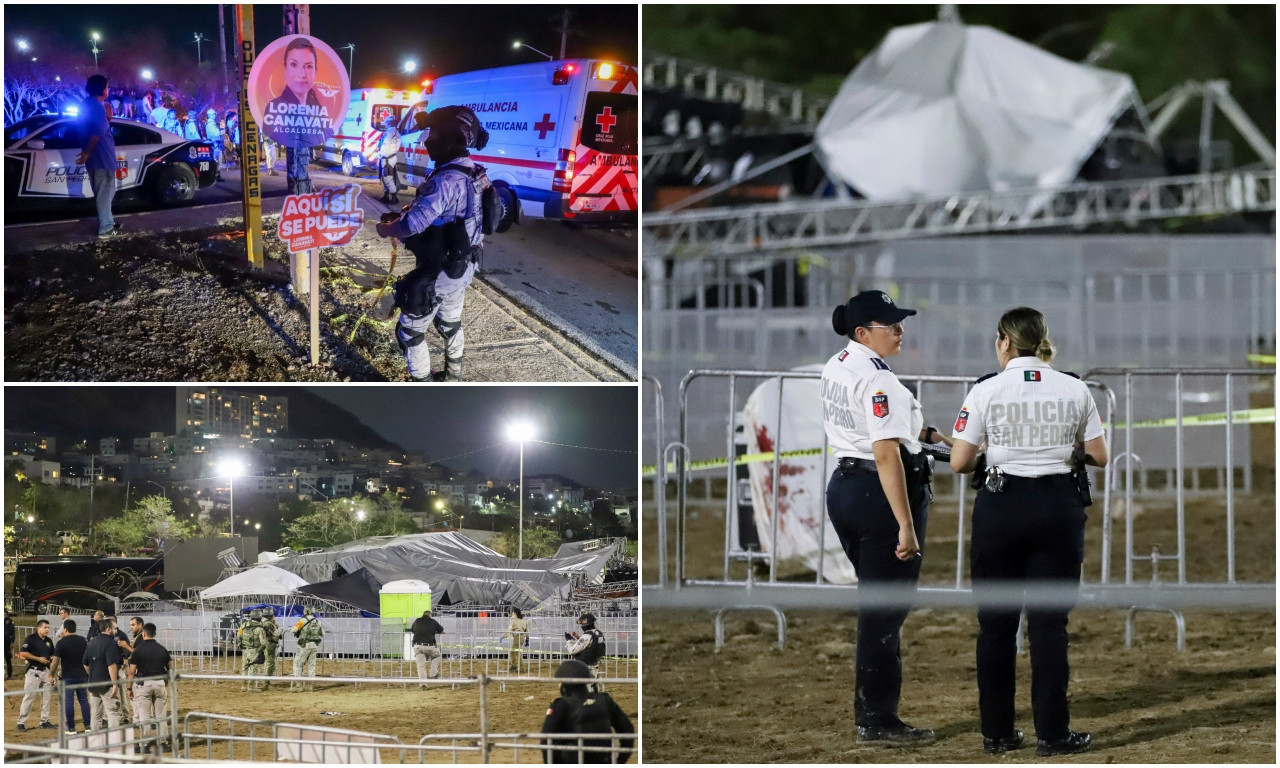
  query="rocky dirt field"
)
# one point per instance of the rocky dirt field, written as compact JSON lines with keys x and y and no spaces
{"x":405,"y":712}
{"x":1215,"y":702}
{"x":183,"y":306}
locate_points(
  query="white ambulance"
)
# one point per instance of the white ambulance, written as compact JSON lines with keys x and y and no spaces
{"x":563,"y":136}
{"x":362,"y":126}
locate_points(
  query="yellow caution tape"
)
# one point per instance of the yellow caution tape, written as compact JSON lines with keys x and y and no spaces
{"x":1264,"y":359}
{"x":1250,"y":416}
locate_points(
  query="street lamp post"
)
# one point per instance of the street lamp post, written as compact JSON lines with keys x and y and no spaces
{"x":95,"y":37}
{"x":517,"y":45}
{"x":521,"y":432}
{"x":351,"y":57}
{"x":199,"y":38}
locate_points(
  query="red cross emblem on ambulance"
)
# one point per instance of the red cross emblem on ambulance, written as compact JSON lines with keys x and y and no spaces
{"x":606,"y":119}
{"x":545,"y":126}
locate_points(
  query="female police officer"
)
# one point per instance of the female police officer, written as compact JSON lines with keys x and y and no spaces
{"x":878,"y":500}
{"x":1028,"y":523}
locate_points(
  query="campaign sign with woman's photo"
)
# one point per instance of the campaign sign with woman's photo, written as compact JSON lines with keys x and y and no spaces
{"x":298,"y":91}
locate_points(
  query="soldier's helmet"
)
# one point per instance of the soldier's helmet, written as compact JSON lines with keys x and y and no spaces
{"x":572,"y":668}
{"x":587,"y":620}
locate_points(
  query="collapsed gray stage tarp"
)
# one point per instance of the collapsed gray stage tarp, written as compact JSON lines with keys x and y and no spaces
{"x":941,"y":108}
{"x":457,"y":568}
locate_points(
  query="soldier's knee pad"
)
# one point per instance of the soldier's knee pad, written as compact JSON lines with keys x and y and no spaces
{"x":407,"y":339}
{"x":448,"y":328}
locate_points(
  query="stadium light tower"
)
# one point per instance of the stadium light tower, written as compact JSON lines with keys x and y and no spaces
{"x":522,"y":432}
{"x":230,"y":468}
{"x":95,"y":37}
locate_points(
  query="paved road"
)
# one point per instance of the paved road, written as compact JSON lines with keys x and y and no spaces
{"x":580,"y":281}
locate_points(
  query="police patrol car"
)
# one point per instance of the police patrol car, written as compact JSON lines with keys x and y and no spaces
{"x":361,"y":127}
{"x":563,"y":137}
{"x":40,"y":161}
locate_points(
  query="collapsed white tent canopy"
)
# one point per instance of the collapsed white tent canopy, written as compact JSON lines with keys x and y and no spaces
{"x":941,"y":107}
{"x":258,"y":580}
{"x":457,"y":568}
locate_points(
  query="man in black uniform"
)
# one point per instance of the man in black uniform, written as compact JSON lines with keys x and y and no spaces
{"x":69,"y":661}
{"x":425,"y":650}
{"x":125,"y":643}
{"x":578,"y":710}
{"x":102,"y":661}
{"x":10,"y":637}
{"x":150,"y":660}
{"x":37,"y":651}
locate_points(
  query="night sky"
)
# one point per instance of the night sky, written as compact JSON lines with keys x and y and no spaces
{"x":444,"y":39}
{"x":445,"y":422}
{"x":461,"y":427}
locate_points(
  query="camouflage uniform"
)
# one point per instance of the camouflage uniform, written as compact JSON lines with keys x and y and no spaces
{"x":252,"y":645}
{"x":272,"y":633}
{"x":309,"y":637}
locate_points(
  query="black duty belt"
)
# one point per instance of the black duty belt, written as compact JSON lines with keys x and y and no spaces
{"x":854,"y":464}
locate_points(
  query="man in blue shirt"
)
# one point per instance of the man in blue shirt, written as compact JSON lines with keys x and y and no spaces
{"x":98,"y":153}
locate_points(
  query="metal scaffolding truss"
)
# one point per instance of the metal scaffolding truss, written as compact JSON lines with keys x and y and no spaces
{"x":782,"y":102}
{"x":818,"y":223}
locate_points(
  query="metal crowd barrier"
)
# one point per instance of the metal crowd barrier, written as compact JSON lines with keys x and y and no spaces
{"x":1156,"y":597}
{"x":265,"y":740}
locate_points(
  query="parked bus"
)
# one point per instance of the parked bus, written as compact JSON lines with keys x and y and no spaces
{"x":82,"y":581}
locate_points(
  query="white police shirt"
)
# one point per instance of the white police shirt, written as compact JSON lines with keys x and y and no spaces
{"x":1030,"y":416}
{"x":862,"y":402}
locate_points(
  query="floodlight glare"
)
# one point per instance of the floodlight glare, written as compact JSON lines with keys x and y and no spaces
{"x":520,"y":431}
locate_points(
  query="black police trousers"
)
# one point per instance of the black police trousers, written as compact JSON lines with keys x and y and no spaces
{"x":868,"y":531}
{"x":1032,"y":535}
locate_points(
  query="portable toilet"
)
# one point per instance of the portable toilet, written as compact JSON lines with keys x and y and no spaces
{"x":399,"y":603}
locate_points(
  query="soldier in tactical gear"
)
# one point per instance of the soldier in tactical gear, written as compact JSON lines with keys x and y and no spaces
{"x":271,"y":634}
{"x":388,"y":172}
{"x":309,"y":634}
{"x":587,"y":646}
{"x":253,"y":643}
{"x":444,"y":228}
{"x":580,"y":710}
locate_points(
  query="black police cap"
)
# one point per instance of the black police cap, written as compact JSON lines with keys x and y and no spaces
{"x":866,"y":308}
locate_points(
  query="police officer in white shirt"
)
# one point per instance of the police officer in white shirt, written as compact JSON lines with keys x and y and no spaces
{"x":877,"y":499}
{"x":1028,"y":523}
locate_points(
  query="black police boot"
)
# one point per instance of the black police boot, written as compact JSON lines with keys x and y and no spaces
{"x":453,"y":369}
{"x":385,"y":199}
{"x":899,"y":735}
{"x":395,"y":198}
{"x":1068,"y":745}
{"x":1007,"y":744}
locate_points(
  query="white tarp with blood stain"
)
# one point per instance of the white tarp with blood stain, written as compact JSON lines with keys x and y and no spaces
{"x":803,"y":528}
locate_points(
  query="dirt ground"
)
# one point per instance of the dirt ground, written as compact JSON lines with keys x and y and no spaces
{"x":751,"y":703}
{"x":405,"y":712}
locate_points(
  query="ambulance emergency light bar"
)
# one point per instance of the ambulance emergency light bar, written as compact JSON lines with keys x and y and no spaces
{"x":387,"y":93}
{"x":561,"y":76}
